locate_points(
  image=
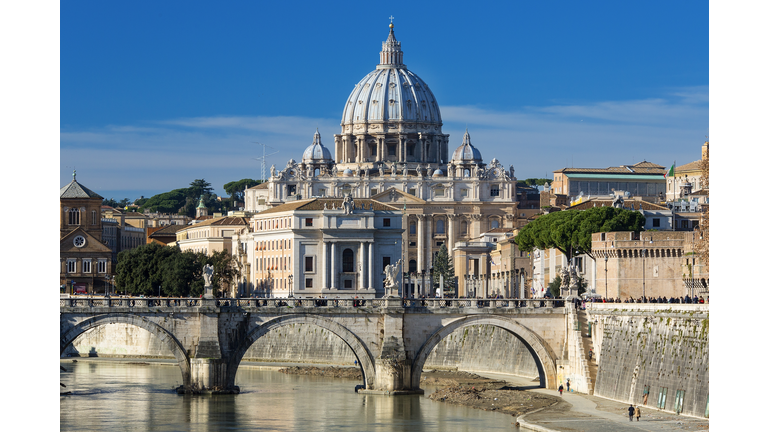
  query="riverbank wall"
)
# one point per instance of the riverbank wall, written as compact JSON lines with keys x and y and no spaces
{"x":653,"y":355}
{"x":474,"y":349}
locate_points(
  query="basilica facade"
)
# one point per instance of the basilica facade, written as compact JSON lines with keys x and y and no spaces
{"x":392,"y":149}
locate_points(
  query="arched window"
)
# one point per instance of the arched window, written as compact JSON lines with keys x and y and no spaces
{"x":440,"y":227}
{"x":494,"y":223}
{"x":74,"y":216}
{"x":412,"y":266}
{"x":413,"y":227}
{"x":348,"y":261}
{"x":463,"y":228}
{"x":467,"y":173}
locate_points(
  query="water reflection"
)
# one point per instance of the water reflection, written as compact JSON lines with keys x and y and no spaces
{"x":121,"y":396}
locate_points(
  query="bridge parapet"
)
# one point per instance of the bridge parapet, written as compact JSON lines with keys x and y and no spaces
{"x":306,"y":304}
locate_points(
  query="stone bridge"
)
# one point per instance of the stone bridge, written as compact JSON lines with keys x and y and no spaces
{"x":391,"y":338}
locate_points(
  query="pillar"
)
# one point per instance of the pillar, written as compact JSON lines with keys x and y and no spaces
{"x":420,"y":243}
{"x":451,"y":235}
{"x":371,"y":265}
{"x":324,"y":284}
{"x":361,"y":267}
{"x":333,"y":265}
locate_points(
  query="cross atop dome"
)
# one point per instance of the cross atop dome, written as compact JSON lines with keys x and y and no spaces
{"x":391,"y":54}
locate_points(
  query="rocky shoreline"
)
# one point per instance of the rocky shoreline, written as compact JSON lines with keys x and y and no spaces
{"x":455,"y":387}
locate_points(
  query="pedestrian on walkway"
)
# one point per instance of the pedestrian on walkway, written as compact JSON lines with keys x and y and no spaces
{"x":631,"y":412}
{"x":560,"y":389}
{"x":568,"y":385}
{"x":637,"y":413}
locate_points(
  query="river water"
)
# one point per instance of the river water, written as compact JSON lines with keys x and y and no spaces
{"x":119,"y":395}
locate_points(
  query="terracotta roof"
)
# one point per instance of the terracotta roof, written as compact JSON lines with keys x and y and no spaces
{"x":691,"y":166}
{"x":638,"y":168}
{"x":264,"y":185}
{"x":224,"y":220}
{"x":168,"y":230}
{"x":607,"y":203}
{"x":501,"y":230}
{"x":327,"y":204}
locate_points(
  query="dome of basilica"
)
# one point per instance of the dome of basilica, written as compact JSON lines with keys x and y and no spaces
{"x":466,"y":153}
{"x":317,"y":152}
{"x":391,"y":93}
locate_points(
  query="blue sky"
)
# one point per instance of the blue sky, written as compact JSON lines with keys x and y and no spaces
{"x":156,"y":94}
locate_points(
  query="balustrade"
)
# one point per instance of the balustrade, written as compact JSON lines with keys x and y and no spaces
{"x":306,"y":303}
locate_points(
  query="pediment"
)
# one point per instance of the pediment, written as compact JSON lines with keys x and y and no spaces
{"x":92,"y":244}
{"x":394,"y":196}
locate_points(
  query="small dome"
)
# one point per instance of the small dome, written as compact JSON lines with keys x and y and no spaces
{"x":317,"y":152}
{"x":466,"y":152}
{"x":348,"y":172}
{"x":438,"y":173}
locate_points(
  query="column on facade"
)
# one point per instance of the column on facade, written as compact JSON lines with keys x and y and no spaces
{"x":420,"y":243}
{"x":361,"y":260}
{"x":333,"y":265}
{"x":379,"y":148}
{"x":428,"y":243}
{"x":371,"y":265}
{"x":451,"y":235}
{"x":324,"y":284}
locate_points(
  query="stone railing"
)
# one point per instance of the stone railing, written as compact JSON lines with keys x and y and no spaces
{"x":408,"y":303}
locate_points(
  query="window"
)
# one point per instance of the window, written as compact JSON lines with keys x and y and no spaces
{"x":308,"y":283}
{"x":309,"y":264}
{"x":494,"y":224}
{"x":679,"y":396}
{"x":439,"y":192}
{"x":374,"y":191}
{"x":495,"y":190}
{"x":385,"y":262}
{"x":391,"y":150}
{"x":387,"y":222}
{"x":348,"y":261}
{"x":413,"y":228}
{"x":463,"y":228}
{"x":86,"y":266}
{"x":93,"y":217}
{"x":308,"y":222}
{"x":291,"y":190}
{"x":440,"y":227}
{"x":656,"y":222}
{"x":411,"y":150}
{"x":411,"y":244}
{"x":465,"y":192}
{"x":348,"y":283}
{"x":71,"y":266}
{"x":321,"y":192}
{"x":102,"y":266}
{"x":412,"y":191}
{"x":74,"y":216}
{"x":662,"y":398}
{"x":412,"y":266}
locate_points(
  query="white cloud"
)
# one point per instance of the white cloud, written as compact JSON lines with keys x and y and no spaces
{"x":169,"y":154}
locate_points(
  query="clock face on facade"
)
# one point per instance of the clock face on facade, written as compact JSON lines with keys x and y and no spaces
{"x":79,"y":241}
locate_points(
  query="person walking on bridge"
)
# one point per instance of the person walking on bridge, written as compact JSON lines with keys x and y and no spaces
{"x":560,"y":389}
{"x":631,"y":412}
{"x":637,"y":412}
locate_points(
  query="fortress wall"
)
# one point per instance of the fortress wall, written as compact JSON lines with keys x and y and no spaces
{"x":647,"y":348}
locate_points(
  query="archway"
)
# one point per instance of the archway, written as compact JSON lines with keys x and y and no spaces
{"x":540,"y":351}
{"x":162,"y":334}
{"x":361,"y":352}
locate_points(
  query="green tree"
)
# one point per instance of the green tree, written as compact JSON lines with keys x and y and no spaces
{"x":197,"y":188}
{"x":166,"y":202}
{"x":535,"y":181}
{"x":236,"y":189}
{"x":571,"y":231}
{"x":139,"y":269}
{"x":443,"y":265}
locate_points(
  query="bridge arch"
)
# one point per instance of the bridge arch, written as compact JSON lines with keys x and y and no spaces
{"x":69,"y":336}
{"x":361,"y":352}
{"x":541,"y":352}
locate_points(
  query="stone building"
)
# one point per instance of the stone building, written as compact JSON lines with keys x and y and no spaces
{"x":633,"y":263}
{"x":643,"y":179}
{"x":687,"y":179}
{"x":85,"y":261}
{"x":211,"y":235}
{"x":336,"y":248}
{"x":392,"y":149}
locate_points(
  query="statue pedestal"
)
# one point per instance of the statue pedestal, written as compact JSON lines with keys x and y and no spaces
{"x":208,"y":294}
